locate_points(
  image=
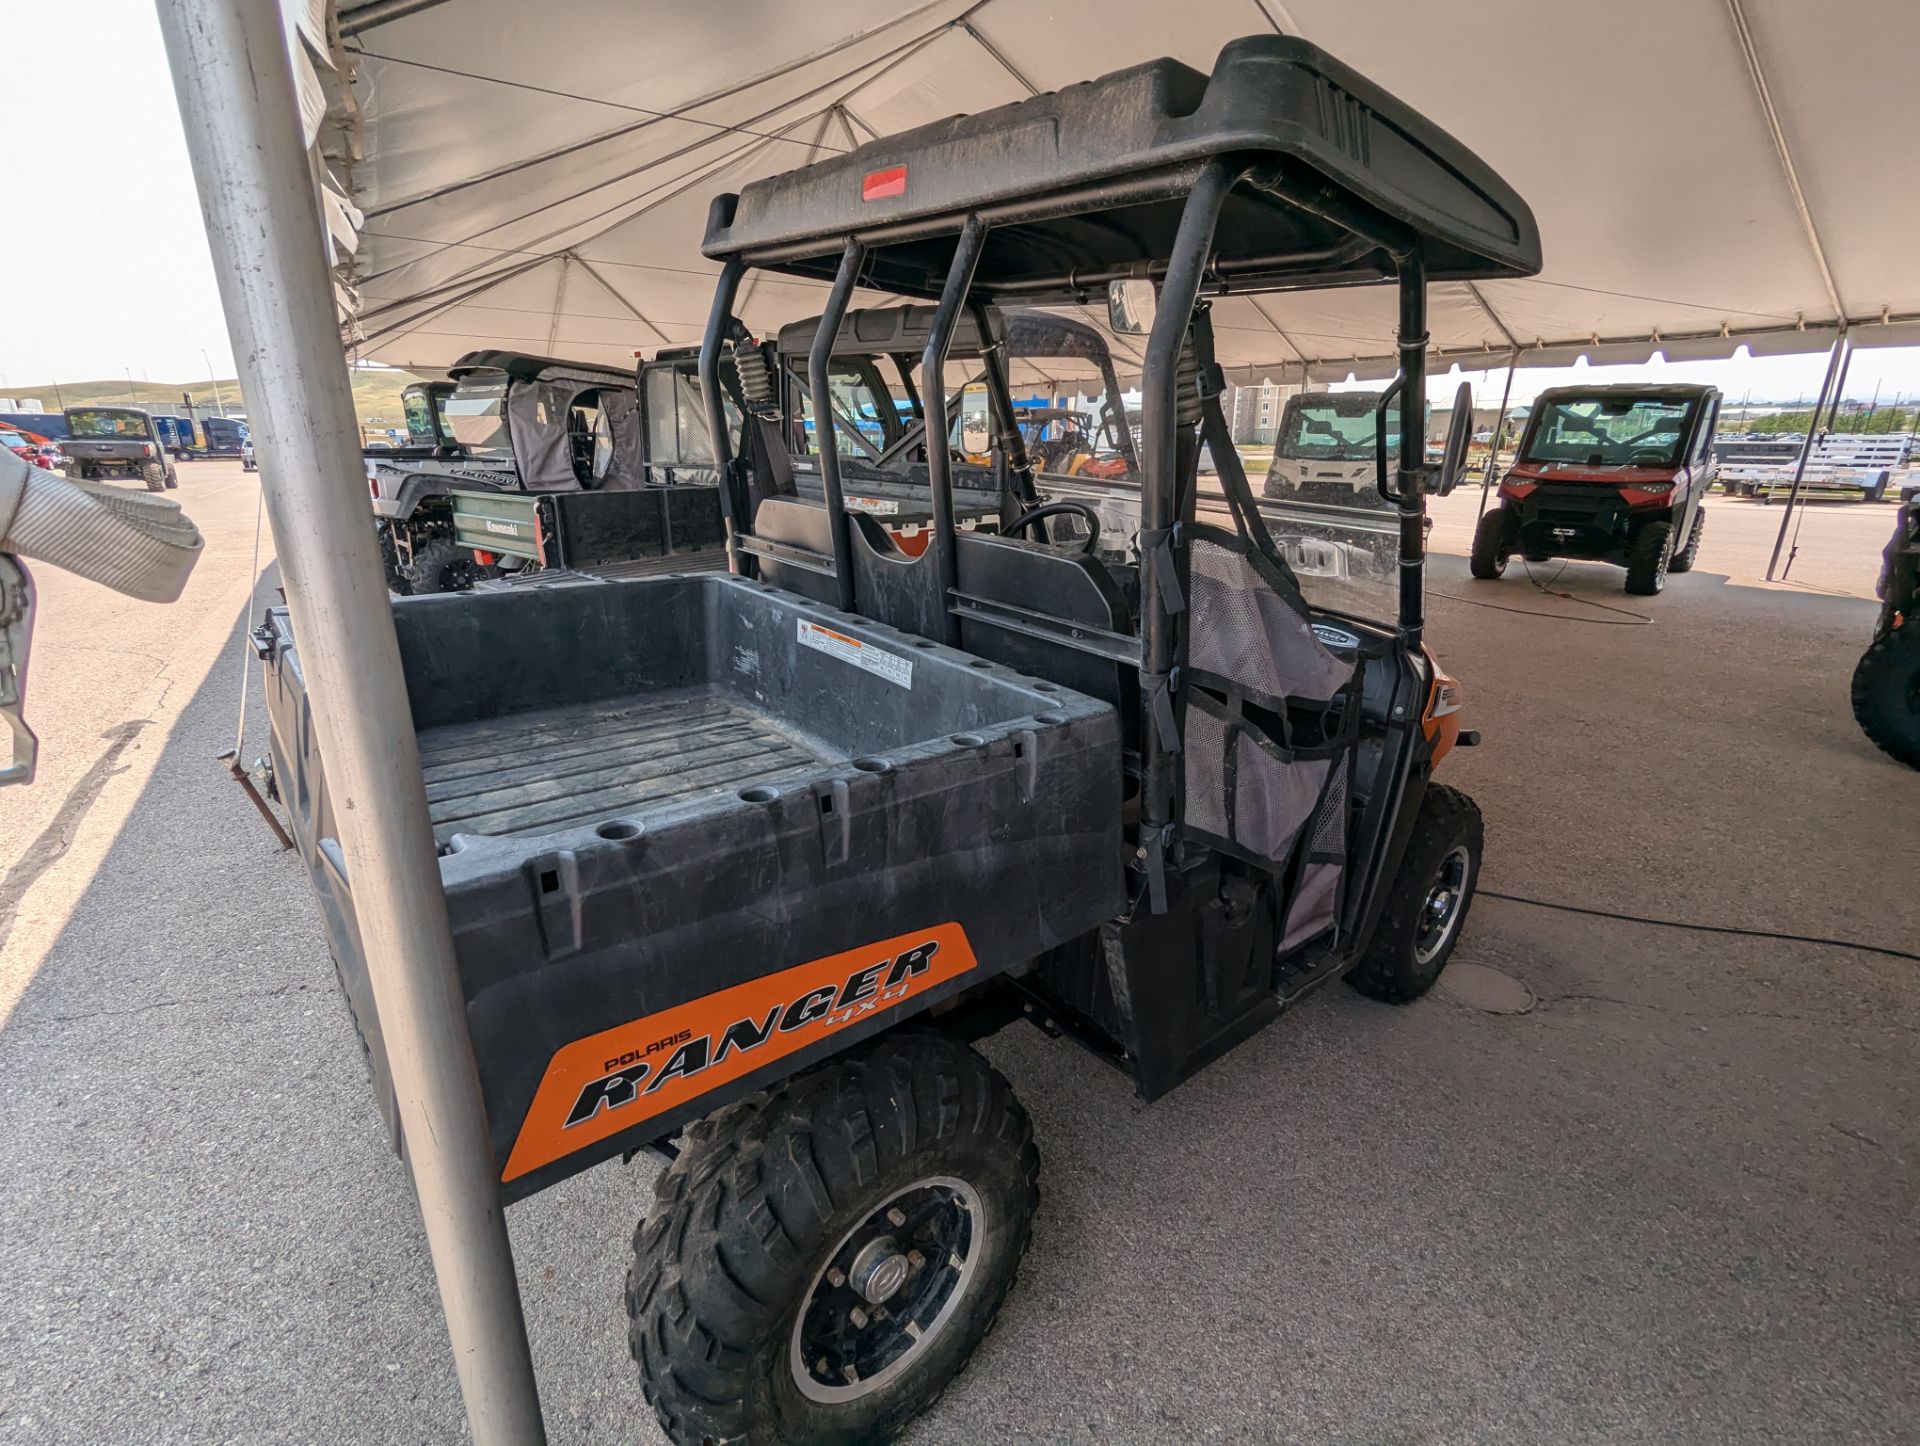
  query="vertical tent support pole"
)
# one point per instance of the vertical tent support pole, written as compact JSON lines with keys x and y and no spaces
{"x":1806,"y":449}
{"x":257,"y":195}
{"x":933,"y":362}
{"x":1411,"y":476}
{"x":825,"y":433}
{"x":1499,"y":425}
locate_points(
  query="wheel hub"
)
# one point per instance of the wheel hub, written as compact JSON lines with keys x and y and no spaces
{"x":887,"y":1289}
{"x":1446,"y":900}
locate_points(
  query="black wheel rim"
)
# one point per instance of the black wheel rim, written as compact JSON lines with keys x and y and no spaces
{"x":888,"y":1289}
{"x":1440,"y":911}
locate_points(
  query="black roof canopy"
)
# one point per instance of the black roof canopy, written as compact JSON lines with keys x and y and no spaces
{"x":1088,"y":182}
{"x":893,"y":330}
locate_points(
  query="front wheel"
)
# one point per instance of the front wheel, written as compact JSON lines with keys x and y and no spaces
{"x":1490,"y":550}
{"x":1648,"y":557}
{"x":1427,"y":905}
{"x":823,"y":1259}
{"x":1886,"y":693}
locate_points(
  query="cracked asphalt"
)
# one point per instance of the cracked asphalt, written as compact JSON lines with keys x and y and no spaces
{"x":1673,"y":1202}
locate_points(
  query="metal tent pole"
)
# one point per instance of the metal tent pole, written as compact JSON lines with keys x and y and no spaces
{"x":1500,"y":424}
{"x":235,"y":86}
{"x":1806,"y":450}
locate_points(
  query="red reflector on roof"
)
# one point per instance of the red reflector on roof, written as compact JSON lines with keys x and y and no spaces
{"x":878,"y":185}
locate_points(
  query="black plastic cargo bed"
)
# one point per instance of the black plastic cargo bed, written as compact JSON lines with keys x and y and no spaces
{"x":683,"y":810}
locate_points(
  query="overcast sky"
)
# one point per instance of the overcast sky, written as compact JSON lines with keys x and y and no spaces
{"x":88,"y":292}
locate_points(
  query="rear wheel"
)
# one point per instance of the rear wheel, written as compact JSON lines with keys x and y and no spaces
{"x":823,"y":1259}
{"x":438,"y":566}
{"x":1886,"y":693}
{"x":1684,"y":562}
{"x":1490,"y":549}
{"x":1427,"y":905}
{"x":1647,"y":558}
{"x":154,"y":474}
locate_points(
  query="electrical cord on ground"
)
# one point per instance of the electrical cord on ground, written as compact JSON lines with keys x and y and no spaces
{"x":1630,"y":619}
{"x":1776,"y":934}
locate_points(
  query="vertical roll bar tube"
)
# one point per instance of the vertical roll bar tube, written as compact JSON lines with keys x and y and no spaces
{"x":1159,"y":404}
{"x":732,"y":496}
{"x":933,"y":407}
{"x":1411,"y":475}
{"x":258,"y":198}
{"x":819,"y":359}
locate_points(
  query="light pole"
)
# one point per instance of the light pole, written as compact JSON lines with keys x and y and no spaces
{"x":218,"y":399}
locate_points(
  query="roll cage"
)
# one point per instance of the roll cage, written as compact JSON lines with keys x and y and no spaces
{"x":1283,"y":170}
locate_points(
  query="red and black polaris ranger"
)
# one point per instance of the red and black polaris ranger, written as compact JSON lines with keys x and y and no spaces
{"x":1607,"y":474}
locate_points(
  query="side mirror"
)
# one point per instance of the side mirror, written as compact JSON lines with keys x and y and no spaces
{"x":1132,"y":305}
{"x":1453,"y":462}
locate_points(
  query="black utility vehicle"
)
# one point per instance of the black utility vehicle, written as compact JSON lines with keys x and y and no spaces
{"x":1612,"y":474}
{"x":1886,"y":683}
{"x":737,"y":865}
{"x":525,"y":463}
{"x":104,"y":442}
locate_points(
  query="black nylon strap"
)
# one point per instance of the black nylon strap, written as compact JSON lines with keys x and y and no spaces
{"x":1160,"y":689}
{"x":1160,"y":541}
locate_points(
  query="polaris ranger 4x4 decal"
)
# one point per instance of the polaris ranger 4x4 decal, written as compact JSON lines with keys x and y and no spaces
{"x":607,"y":1082}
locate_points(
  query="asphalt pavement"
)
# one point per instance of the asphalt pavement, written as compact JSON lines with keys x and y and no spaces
{"x":1675,"y":1201}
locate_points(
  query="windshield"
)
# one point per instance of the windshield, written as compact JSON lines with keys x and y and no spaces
{"x":477,"y":416}
{"x":107,"y":424}
{"x":418,"y":404}
{"x":1609,"y":431}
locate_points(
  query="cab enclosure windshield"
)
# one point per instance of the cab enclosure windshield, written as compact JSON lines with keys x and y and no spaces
{"x":1600,"y":430}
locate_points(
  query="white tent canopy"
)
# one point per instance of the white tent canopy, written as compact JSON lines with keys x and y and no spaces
{"x":1707,"y":174}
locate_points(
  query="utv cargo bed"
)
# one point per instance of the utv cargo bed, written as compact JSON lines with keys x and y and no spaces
{"x":667,"y":805}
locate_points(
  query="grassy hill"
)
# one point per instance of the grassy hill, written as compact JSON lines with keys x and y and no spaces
{"x":375,"y":394}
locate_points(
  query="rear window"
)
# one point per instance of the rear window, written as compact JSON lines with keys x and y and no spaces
{"x":476,"y":416}
{"x":108,"y":425}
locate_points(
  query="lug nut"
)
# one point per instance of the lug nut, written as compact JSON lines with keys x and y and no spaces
{"x":896,"y":1217}
{"x":858,"y":1317}
{"x":836,"y":1278}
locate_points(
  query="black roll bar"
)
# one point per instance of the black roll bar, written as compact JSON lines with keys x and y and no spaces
{"x":933,"y":361}
{"x":819,"y":366}
{"x":1410,"y":482}
{"x":732,"y":493}
{"x":1159,"y":405}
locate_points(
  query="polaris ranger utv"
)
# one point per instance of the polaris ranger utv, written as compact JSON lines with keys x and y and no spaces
{"x":103,"y":442}
{"x":738,"y":865}
{"x":1611,"y":474}
{"x":1886,"y":683}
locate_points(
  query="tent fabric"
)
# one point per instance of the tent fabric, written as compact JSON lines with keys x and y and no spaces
{"x":1707,"y":175}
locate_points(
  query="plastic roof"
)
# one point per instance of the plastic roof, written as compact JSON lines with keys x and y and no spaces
{"x":1707,"y":174}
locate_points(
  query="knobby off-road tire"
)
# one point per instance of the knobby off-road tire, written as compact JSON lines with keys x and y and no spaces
{"x":1684,"y":562}
{"x":1886,"y":693}
{"x":737,"y":1325}
{"x":1490,"y":552}
{"x":438,"y":566}
{"x":1427,"y":906}
{"x":154,"y":474}
{"x":1648,"y":558}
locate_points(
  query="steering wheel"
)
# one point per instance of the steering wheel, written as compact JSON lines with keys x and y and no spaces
{"x":1055,"y":509}
{"x":1652,"y":456}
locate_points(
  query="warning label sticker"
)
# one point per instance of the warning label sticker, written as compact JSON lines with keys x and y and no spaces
{"x":891,"y":666}
{"x":876,"y":506}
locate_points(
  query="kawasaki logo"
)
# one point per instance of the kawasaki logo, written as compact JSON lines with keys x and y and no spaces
{"x":505,"y":529}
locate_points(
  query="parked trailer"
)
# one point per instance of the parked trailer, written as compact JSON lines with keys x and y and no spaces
{"x":1850,"y":466}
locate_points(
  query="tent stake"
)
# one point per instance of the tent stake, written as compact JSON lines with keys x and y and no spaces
{"x":257,"y":194}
